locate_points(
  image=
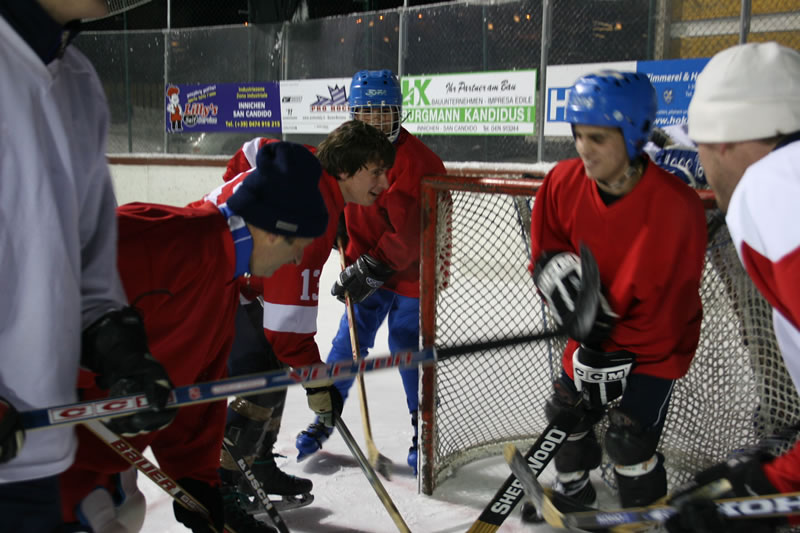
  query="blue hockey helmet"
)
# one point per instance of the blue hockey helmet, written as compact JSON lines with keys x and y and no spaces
{"x":624,"y":100}
{"x":376,"y":98}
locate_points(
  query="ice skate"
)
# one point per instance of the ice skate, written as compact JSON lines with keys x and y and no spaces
{"x":237,"y":517}
{"x":285,"y":491}
{"x":568,"y":494}
{"x":413,"y":450}
{"x":310,"y":440}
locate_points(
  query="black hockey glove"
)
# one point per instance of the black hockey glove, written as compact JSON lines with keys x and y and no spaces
{"x":211,"y":499}
{"x":684,"y":162}
{"x":696,"y":511}
{"x":600,"y":377}
{"x":326,"y":401}
{"x":12,"y":435}
{"x":571,"y":286}
{"x":115,"y":347}
{"x":361,"y":279}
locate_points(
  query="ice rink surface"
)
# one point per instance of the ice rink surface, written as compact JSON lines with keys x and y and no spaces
{"x":344,"y":500}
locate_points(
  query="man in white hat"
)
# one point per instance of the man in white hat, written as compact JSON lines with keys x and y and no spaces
{"x":745,"y":119}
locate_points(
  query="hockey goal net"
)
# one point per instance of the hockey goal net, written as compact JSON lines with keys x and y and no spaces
{"x":476,"y":287}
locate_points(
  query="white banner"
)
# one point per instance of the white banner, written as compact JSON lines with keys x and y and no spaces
{"x":314,"y":106}
{"x":486,"y":103}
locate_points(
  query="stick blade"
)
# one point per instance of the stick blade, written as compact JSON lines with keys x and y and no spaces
{"x":534,"y":490}
{"x":382,"y":464}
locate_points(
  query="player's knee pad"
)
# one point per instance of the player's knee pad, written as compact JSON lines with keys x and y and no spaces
{"x":580,"y":451}
{"x":626,"y":442}
{"x":564,"y":399}
{"x":642,"y":483}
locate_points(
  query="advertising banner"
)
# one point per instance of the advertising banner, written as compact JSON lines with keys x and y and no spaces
{"x":674,"y":81}
{"x":314,"y":106}
{"x":485,"y":103}
{"x":223,"y":107}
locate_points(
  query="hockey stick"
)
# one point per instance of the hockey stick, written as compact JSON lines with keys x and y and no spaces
{"x":158,"y":476}
{"x":256,"y":488}
{"x":372,"y":477}
{"x":209,"y":391}
{"x":534,"y":489}
{"x":537,"y":458}
{"x":380,"y":462}
{"x":642,"y":518}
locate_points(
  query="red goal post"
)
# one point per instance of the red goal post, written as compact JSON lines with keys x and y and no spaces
{"x":475,"y":287}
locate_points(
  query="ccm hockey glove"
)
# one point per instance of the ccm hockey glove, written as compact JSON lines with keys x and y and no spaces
{"x":696,"y":511}
{"x":12,"y":435}
{"x":115,"y":347}
{"x":326,"y":401}
{"x":600,"y":377}
{"x":211,"y":499}
{"x":576,"y":301}
{"x":361,"y":279}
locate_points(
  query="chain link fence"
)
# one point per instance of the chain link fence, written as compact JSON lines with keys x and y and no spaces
{"x":455,"y":37}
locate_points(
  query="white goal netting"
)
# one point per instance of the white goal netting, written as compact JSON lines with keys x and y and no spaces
{"x":475,"y":287}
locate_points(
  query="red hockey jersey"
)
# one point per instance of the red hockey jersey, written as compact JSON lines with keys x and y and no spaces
{"x":291,"y":294}
{"x":177,"y":266}
{"x":389,"y":229}
{"x":650,"y":247}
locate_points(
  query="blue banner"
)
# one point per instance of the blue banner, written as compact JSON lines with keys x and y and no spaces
{"x":674,"y":81}
{"x":223,"y":107}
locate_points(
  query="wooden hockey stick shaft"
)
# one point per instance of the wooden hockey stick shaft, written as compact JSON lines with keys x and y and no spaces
{"x":135,"y":458}
{"x":372,"y":477}
{"x":378,"y":461}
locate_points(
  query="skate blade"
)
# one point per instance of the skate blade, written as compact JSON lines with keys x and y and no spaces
{"x":285,"y":503}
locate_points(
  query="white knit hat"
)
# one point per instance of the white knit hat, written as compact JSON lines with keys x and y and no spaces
{"x":747,"y":92}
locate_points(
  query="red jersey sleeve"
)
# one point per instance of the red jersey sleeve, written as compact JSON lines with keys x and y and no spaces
{"x":291,"y":302}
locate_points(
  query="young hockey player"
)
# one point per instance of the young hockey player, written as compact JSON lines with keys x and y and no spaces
{"x":745,"y":118}
{"x":180,"y":266}
{"x":355,"y":158}
{"x":58,"y":255}
{"x":646,"y":230}
{"x":383,"y":252}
